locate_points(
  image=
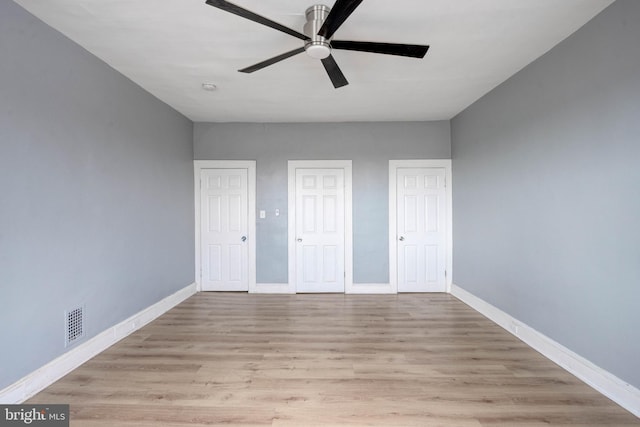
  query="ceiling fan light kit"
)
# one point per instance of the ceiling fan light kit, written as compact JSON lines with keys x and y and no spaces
{"x":322,"y":23}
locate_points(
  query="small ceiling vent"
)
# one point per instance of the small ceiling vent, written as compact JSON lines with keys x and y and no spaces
{"x":74,"y":329}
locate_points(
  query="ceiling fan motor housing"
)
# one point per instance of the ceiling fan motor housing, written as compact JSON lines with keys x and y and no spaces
{"x":317,"y":47}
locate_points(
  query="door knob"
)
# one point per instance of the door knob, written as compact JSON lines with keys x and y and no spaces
{"x":244,"y":238}
{"x":299,"y":240}
{"x":401,"y":238}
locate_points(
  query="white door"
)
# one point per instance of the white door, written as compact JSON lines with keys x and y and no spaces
{"x":224,"y":216}
{"x":320,"y":230}
{"x":421,"y":229}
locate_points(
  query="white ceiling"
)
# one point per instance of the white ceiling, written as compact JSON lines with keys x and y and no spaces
{"x":171,"y":47}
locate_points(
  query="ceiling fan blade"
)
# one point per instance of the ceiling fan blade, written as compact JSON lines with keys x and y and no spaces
{"x":410,"y":50}
{"x":237,"y":10}
{"x":335,"y":74}
{"x":263,"y":64}
{"x":339,"y":13}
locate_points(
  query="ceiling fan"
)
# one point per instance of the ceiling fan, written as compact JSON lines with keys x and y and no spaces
{"x":322,"y":23}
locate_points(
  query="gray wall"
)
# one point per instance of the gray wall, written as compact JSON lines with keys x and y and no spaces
{"x":96,"y":193}
{"x":369,"y":145}
{"x":547,"y":193}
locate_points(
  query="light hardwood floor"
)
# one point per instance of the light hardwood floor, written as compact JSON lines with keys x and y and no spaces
{"x":305,"y":360}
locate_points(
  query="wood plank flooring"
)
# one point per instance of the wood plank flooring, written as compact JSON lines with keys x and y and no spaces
{"x":327,"y":360}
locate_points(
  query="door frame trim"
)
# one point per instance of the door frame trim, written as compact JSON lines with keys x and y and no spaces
{"x":394,"y":165}
{"x":345,"y":165}
{"x":250,"y":166}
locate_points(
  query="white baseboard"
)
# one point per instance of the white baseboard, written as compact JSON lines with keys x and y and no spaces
{"x":371,"y":288}
{"x":614,"y":388}
{"x":355,"y":288}
{"x":43,"y":377}
{"x":272,"y":288}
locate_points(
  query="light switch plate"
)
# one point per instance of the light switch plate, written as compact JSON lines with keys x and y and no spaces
{"x":263,"y":214}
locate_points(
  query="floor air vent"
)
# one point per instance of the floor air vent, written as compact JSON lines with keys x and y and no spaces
{"x":74,"y":330}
